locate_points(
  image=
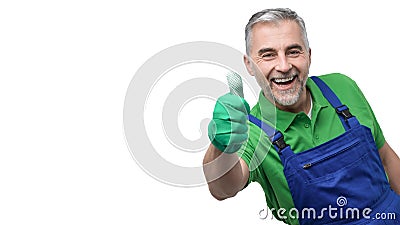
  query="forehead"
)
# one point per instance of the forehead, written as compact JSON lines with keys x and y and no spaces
{"x":276,"y":35}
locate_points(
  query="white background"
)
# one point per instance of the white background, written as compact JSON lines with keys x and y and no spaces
{"x":65,"y":67}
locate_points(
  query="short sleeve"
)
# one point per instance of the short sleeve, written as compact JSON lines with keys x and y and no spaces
{"x":247,"y":153}
{"x":360,"y":107}
{"x":376,"y":129}
{"x":254,"y":151}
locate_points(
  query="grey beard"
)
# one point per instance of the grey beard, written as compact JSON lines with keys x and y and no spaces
{"x":290,"y":97}
{"x":285,"y":98}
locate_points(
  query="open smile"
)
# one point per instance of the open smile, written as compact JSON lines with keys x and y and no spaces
{"x":284,"y":83}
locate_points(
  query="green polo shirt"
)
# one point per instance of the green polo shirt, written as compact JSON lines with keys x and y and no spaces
{"x":301,"y":134}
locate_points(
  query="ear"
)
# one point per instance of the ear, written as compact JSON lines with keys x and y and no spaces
{"x":248,"y":64}
{"x":309,"y":55}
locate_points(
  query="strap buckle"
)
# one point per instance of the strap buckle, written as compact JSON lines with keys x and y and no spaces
{"x":279,"y":142}
{"x":344,"y":111}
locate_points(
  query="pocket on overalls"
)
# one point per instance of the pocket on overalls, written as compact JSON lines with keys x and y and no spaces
{"x":344,"y":167}
{"x":330,"y":161}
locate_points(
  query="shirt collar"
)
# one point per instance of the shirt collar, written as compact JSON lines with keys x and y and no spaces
{"x":283,"y":119}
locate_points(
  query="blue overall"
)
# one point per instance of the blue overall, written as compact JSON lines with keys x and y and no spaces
{"x":341,"y":181}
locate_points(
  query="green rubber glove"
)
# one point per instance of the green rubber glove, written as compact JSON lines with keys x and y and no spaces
{"x":228,"y":128}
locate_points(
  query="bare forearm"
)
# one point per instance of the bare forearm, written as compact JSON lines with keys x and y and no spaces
{"x":391,"y":162}
{"x":394,"y":176}
{"x":224,"y":173}
{"x":393,"y":172}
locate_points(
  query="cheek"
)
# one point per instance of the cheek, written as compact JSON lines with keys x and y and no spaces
{"x":261,"y":78}
{"x":303,"y":66}
{"x":265,"y":69}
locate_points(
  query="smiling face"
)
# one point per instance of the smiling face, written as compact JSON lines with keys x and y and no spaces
{"x":283,"y":61}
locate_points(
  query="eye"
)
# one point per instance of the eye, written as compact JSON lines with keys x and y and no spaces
{"x":268,"y":55}
{"x":294,"y":53}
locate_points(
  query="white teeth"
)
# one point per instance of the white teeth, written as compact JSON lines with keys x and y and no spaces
{"x":282,"y":80}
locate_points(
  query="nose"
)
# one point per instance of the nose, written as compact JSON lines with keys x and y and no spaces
{"x":282,"y":64}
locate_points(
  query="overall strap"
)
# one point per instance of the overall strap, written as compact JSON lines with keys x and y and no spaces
{"x":275,"y":136}
{"x":348,"y":120}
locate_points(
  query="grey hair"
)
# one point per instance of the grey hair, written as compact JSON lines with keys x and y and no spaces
{"x":274,"y":16}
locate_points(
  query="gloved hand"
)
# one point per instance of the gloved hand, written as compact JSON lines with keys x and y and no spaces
{"x":228,"y":128}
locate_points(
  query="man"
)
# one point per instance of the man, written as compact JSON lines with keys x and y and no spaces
{"x":323,"y":151}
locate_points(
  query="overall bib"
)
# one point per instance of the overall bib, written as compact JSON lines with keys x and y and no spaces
{"x":341,"y":181}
